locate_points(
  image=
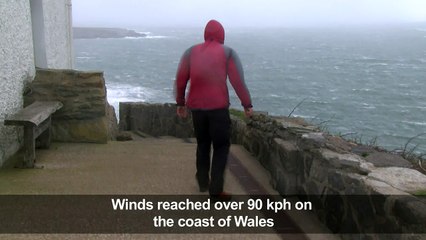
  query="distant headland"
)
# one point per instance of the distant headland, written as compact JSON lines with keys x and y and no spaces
{"x":94,"y":32}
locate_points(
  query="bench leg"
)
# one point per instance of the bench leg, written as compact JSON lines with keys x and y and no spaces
{"x":43,"y":141}
{"x":43,"y":134}
{"x":29,"y":145}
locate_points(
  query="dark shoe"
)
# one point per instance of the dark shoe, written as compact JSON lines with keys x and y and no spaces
{"x":221,"y":197}
{"x":203,"y":186}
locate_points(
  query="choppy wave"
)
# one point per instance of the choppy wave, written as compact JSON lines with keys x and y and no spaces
{"x":134,"y":37}
{"x":128,"y":93}
{"x":150,"y":35}
{"x":361,"y":90}
{"x":156,"y":37}
{"x":370,"y":91}
{"x":85,"y":58}
{"x":415,"y":123}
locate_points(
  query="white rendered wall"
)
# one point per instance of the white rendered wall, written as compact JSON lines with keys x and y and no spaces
{"x":16,"y":67}
{"x":58,"y":33}
{"x":53,"y":46}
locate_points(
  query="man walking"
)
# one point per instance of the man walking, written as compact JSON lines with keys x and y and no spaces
{"x":207,"y":66}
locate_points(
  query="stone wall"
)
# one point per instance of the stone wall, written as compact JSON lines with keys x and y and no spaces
{"x":16,"y":68}
{"x":355,"y":188}
{"x":154,"y":120}
{"x":86,"y":115}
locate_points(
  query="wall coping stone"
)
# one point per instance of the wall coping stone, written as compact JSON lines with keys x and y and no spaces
{"x":381,"y":187}
{"x":347,"y":160}
{"x":404,"y":179}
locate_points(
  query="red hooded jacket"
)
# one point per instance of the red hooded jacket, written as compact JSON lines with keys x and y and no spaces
{"x":207,"y":66}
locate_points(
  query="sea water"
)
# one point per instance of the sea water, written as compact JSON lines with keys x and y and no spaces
{"x":361,"y":82}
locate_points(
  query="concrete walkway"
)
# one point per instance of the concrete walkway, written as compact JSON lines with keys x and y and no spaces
{"x":164,"y":166}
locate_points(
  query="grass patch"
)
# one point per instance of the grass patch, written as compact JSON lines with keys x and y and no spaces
{"x":420,"y":193}
{"x":410,"y":153}
{"x":237,"y":113}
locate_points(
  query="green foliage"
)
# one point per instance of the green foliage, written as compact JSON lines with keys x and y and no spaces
{"x":237,"y":113}
{"x":408,"y":152}
{"x":420,"y":193}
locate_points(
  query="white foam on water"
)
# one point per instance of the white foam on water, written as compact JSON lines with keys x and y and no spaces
{"x":147,"y":35}
{"x":361,"y":89}
{"x":367,"y":58}
{"x":368,"y":106}
{"x":134,"y":37}
{"x":319,"y":102}
{"x":86,"y":58}
{"x":411,"y":107}
{"x":379,"y":64}
{"x":129,"y":93}
{"x":156,"y":37}
{"x":415,"y":123}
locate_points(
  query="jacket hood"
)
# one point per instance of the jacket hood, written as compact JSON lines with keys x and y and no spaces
{"x":214,"y":31}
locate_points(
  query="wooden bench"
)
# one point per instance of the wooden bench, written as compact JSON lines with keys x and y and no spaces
{"x":36,"y":119}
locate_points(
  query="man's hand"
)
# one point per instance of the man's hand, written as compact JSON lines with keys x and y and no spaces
{"x":182,"y":111}
{"x":248,"y":112}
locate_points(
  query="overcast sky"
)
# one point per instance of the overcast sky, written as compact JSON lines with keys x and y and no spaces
{"x":235,"y":13}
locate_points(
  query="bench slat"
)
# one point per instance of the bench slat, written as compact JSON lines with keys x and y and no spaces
{"x":34,"y":114}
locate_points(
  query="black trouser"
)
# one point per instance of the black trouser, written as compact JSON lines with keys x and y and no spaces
{"x":212,"y":126}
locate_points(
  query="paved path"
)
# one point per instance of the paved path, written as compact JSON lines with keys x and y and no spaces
{"x":164,"y":166}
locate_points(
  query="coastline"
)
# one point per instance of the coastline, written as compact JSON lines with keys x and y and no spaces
{"x":96,"y":32}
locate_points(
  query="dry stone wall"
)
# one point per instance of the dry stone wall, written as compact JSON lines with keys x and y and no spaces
{"x":154,"y":119}
{"x":86,"y":115}
{"x":354,"y":188}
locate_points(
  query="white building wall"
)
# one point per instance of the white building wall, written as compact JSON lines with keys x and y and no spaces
{"x":17,"y":64}
{"x":16,"y":67}
{"x":58,"y":33}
